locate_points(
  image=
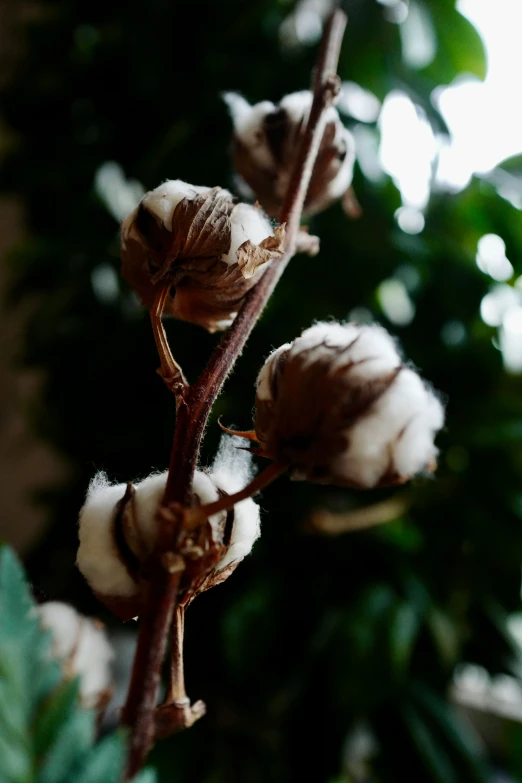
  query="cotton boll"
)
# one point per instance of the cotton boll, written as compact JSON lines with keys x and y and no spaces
{"x":182,"y":241}
{"x":339,"y":406}
{"x":266,"y":143}
{"x":82,"y":646}
{"x":118,"y":532}
{"x":98,"y":557}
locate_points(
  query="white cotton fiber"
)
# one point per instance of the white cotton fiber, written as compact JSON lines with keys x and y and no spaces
{"x":82,"y":646}
{"x":231,"y":472}
{"x":98,"y":558}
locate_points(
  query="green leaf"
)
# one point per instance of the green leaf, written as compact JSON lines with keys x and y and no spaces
{"x":45,"y":734}
{"x":431,"y":751}
{"x":455,"y":730}
{"x":147,"y":776}
{"x":460,"y":47}
{"x":445,"y":635}
{"x":104,"y":763}
{"x":55,"y":712}
{"x":69,"y":749}
{"x":16,"y":602}
{"x":405,"y":624}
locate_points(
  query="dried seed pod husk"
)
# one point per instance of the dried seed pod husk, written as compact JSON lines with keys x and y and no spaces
{"x":266,"y":141}
{"x":206,"y":249}
{"x":339,"y":406}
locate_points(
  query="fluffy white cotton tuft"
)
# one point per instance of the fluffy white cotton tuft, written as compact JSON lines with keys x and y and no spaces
{"x":98,"y":558}
{"x":370,"y":348}
{"x":147,"y":500}
{"x":264,"y":379}
{"x":82,"y":646}
{"x":398,"y":431}
{"x":232,"y":470}
{"x":247,"y":222}
{"x":248,"y":122}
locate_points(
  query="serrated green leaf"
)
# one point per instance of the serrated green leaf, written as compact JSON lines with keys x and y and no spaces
{"x":54,"y":713}
{"x":71,"y":747}
{"x":42,"y":725}
{"x":16,"y":602}
{"x":104,"y":762}
{"x":15,"y":758}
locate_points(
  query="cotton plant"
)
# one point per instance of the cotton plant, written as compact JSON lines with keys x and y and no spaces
{"x":339,"y":405}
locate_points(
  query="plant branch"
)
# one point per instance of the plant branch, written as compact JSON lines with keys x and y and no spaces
{"x":169,"y":369}
{"x":195,"y":406}
{"x":177,"y":681}
{"x":194,"y":516}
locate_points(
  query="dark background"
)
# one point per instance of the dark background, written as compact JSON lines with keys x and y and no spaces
{"x":314,"y":636}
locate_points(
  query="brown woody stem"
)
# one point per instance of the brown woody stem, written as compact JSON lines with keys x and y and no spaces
{"x":195,"y":406}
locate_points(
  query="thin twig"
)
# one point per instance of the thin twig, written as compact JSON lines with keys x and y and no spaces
{"x":194,"y":516}
{"x":177,"y":690}
{"x":169,"y":369}
{"x":195,"y":407}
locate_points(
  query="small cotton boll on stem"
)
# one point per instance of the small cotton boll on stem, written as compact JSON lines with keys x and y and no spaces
{"x":339,"y":406}
{"x":83,"y":648}
{"x":118,"y":533}
{"x":266,"y":139}
{"x":181,"y":246}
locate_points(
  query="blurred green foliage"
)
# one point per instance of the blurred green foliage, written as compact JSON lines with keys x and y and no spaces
{"x":313,"y":634}
{"x":45,"y":737}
